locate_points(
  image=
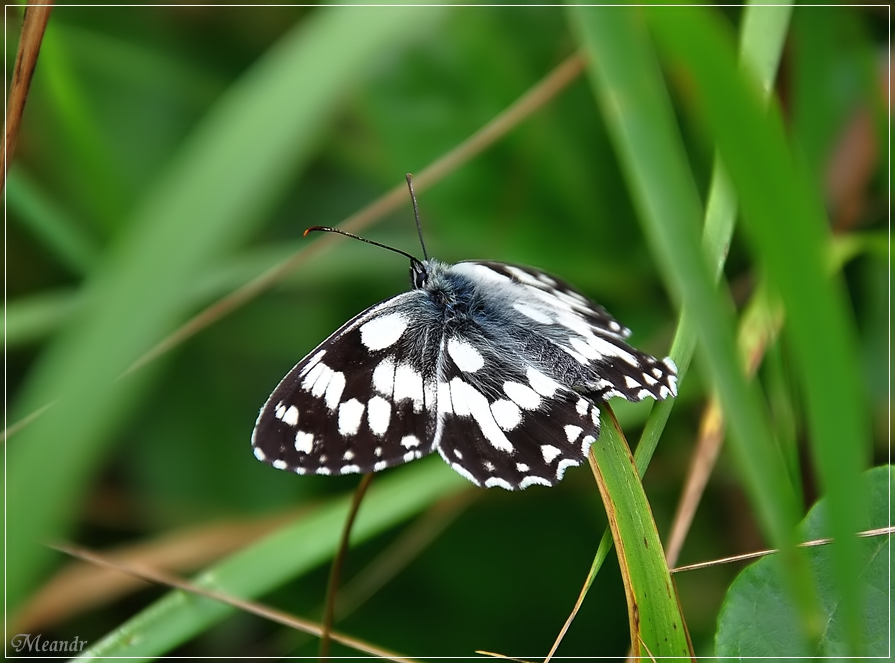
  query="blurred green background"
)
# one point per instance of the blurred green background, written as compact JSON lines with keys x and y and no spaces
{"x":169,"y":145}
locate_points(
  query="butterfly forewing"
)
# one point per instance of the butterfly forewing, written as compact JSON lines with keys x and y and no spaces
{"x":360,"y":402}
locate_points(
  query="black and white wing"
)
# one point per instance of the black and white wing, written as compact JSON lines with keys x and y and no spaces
{"x":504,"y":422}
{"x":596,"y":359}
{"x":499,"y":367}
{"x":518,"y":386}
{"x":359,"y":402}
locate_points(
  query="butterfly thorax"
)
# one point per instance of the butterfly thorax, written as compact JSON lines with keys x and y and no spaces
{"x":454,"y":295}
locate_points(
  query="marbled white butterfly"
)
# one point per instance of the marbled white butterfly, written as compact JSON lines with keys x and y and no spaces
{"x":498,"y":367}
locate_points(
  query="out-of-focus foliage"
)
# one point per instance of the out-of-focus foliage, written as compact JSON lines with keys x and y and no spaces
{"x":123,"y":101}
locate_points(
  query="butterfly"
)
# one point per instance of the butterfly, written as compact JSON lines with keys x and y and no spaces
{"x":498,"y":367}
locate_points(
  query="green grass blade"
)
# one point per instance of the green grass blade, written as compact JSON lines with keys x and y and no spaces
{"x":51,"y":225}
{"x":655,"y":618}
{"x":787,"y":226}
{"x":230,"y":170}
{"x":634,"y":103}
{"x":761,"y":43}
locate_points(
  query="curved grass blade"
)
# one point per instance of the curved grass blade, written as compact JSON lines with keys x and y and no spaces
{"x":657,"y":626}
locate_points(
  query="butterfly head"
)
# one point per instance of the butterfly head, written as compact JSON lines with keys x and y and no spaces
{"x":419,"y":273}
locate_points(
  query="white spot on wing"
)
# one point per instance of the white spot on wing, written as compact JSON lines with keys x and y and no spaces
{"x":311,"y":363}
{"x":468,"y":401}
{"x":410,"y":441}
{"x":445,"y":406}
{"x":409,"y":384}
{"x":350,"y":413}
{"x":506,"y":413}
{"x":334,"y":391}
{"x":585,"y":349}
{"x":672,"y":384}
{"x":383,"y":331}
{"x":290,"y":416}
{"x":260,"y":455}
{"x":523,"y":396}
{"x":522,"y":467}
{"x":586,"y":443}
{"x":384,"y":377}
{"x":317,"y":379}
{"x":532,"y":480}
{"x":631,"y":383}
{"x":304,"y":442}
{"x":381,"y":465}
{"x":459,"y":469}
{"x":541,"y":383}
{"x":608,"y":349}
{"x":496,"y":481}
{"x":572,"y":432}
{"x":280,"y":464}
{"x":467,"y":358}
{"x":549,"y":452}
{"x":564,"y":464}
{"x":534,"y":313}
{"x":379,"y":412}
{"x":522,"y":275}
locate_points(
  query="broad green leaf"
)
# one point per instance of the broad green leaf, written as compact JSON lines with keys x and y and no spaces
{"x":758,"y":617}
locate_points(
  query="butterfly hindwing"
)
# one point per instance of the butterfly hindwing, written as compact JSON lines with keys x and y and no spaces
{"x":594,"y":357}
{"x":505,"y":423}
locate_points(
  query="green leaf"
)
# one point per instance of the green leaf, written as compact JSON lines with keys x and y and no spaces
{"x":758,"y":617}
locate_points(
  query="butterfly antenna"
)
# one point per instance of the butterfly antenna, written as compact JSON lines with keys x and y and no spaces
{"x":416,"y":215}
{"x":328,"y":229}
